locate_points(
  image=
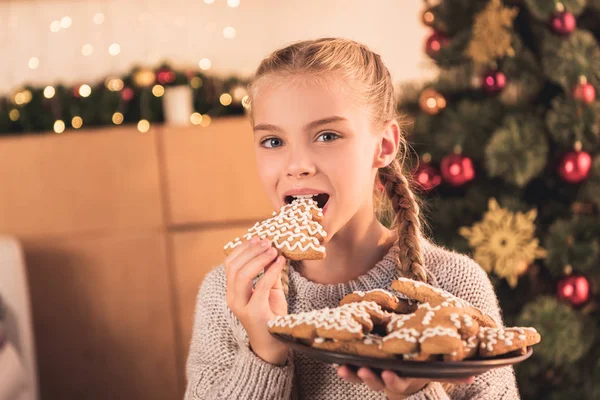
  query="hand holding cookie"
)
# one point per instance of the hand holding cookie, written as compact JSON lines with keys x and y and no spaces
{"x":254,"y":307}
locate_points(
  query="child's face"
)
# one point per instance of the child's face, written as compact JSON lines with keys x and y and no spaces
{"x":316,"y":138}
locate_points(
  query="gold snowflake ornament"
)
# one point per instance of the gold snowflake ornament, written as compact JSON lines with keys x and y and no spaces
{"x":504,"y":242}
{"x":492,"y":33}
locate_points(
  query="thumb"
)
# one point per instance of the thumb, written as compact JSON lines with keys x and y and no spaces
{"x":269,"y":280}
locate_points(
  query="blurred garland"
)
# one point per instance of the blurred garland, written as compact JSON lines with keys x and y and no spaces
{"x":134,"y":98}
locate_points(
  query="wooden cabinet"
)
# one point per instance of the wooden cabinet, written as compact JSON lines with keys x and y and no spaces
{"x":119,"y":228}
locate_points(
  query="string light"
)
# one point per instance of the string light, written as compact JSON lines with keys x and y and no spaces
{"x":206,"y":120}
{"x":87,"y":49}
{"x":59,"y":126}
{"x":49,"y":92}
{"x":98,"y":18}
{"x":238,"y":93}
{"x":225,"y":99}
{"x":117,"y":118}
{"x":196,"y":118}
{"x":22,"y":97}
{"x":85,"y":90}
{"x":77,"y":122}
{"x":66,"y":22}
{"x":205,"y":64}
{"x":158,"y":90}
{"x":55,"y":26}
{"x":14,"y":115}
{"x":114,"y":84}
{"x":114,"y":49}
{"x":34,"y":62}
{"x":229,"y":32}
{"x":233,"y":3}
{"x":143,"y":125}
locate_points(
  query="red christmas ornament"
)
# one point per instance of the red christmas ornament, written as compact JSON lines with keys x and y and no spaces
{"x":575,"y":166}
{"x":584,"y":92}
{"x":127,"y":94}
{"x":562,"y":22}
{"x":165,"y":75}
{"x":457,"y":169}
{"x":493,"y":81}
{"x":435,"y":42}
{"x":575,"y":289}
{"x":427,"y":176}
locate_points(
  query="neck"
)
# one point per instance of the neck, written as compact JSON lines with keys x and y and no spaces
{"x":352,"y":251}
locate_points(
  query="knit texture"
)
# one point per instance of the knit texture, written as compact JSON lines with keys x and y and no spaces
{"x":221,"y":365}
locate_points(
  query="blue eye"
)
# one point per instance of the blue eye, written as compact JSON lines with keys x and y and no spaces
{"x":270,"y":143}
{"x":328,"y":137}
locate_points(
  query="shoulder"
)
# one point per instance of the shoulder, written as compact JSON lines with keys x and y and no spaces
{"x":460,"y":275}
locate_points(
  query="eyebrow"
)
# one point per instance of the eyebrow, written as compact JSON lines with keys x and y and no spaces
{"x":309,"y":126}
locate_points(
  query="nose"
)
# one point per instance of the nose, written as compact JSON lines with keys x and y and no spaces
{"x":300,"y":165}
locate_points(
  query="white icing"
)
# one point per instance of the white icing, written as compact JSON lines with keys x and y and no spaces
{"x":291,"y":228}
{"x":407,"y":334}
{"x":438,"y":331}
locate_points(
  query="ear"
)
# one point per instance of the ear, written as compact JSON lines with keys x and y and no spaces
{"x":387,"y":147}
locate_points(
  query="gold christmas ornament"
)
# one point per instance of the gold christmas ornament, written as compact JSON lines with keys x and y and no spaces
{"x":504,"y":242}
{"x":431,"y":101}
{"x":492,"y":31}
{"x":144,"y":77}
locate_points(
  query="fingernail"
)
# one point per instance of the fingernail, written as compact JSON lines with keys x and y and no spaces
{"x":335,"y":365}
{"x":264,"y":243}
{"x":254,"y":239}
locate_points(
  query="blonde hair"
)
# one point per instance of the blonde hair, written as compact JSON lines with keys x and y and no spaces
{"x":368,"y":79}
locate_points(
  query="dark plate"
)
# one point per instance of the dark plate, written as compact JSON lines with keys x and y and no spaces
{"x":415,"y":369}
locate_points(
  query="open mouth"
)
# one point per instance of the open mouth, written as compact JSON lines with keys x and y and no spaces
{"x":321,"y":199}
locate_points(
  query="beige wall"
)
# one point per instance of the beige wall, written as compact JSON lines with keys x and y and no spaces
{"x":119,"y":228}
{"x":185,"y":31}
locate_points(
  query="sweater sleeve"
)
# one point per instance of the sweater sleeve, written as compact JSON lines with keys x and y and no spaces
{"x":466,"y":279}
{"x":220,"y":364}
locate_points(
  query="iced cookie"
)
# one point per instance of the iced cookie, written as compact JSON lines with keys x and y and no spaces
{"x":294,"y":231}
{"x":348,"y":322}
{"x":386,"y":300}
{"x":430,"y":331}
{"x":425,"y":293}
{"x":369,"y":346}
{"x":497,"y":341}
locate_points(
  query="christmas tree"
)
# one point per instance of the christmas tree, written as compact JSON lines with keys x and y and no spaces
{"x":507,"y":160}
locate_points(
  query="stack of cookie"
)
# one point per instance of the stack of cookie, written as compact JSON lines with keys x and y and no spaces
{"x":295,"y":231}
{"x":428,"y":324}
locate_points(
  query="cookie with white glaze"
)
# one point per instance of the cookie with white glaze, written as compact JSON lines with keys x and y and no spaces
{"x":425,"y":293}
{"x":386,"y":300}
{"x":369,"y":346}
{"x":498,"y":341}
{"x":294,"y":231}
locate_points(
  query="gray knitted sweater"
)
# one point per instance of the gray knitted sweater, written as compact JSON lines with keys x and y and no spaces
{"x":221,"y":365}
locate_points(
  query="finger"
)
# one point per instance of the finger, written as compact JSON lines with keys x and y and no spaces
{"x":268,"y":280}
{"x":277,"y":285}
{"x":393,"y":382}
{"x":347,"y":374}
{"x":230,"y":261}
{"x":371,"y":379}
{"x":245,"y":276}
{"x":254,"y":248}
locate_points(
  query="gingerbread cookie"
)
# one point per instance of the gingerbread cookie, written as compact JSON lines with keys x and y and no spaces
{"x":425,"y":293}
{"x":386,"y":300}
{"x":294,"y":231}
{"x":497,"y":341}
{"x":369,"y":346}
{"x":348,"y":322}
{"x":430,"y":331}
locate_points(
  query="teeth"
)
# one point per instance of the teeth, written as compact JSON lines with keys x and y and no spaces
{"x":304,"y":196}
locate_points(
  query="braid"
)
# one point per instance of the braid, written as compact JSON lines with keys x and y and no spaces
{"x":407,"y":219}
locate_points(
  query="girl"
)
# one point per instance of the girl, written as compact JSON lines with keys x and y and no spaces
{"x":324,"y":120}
